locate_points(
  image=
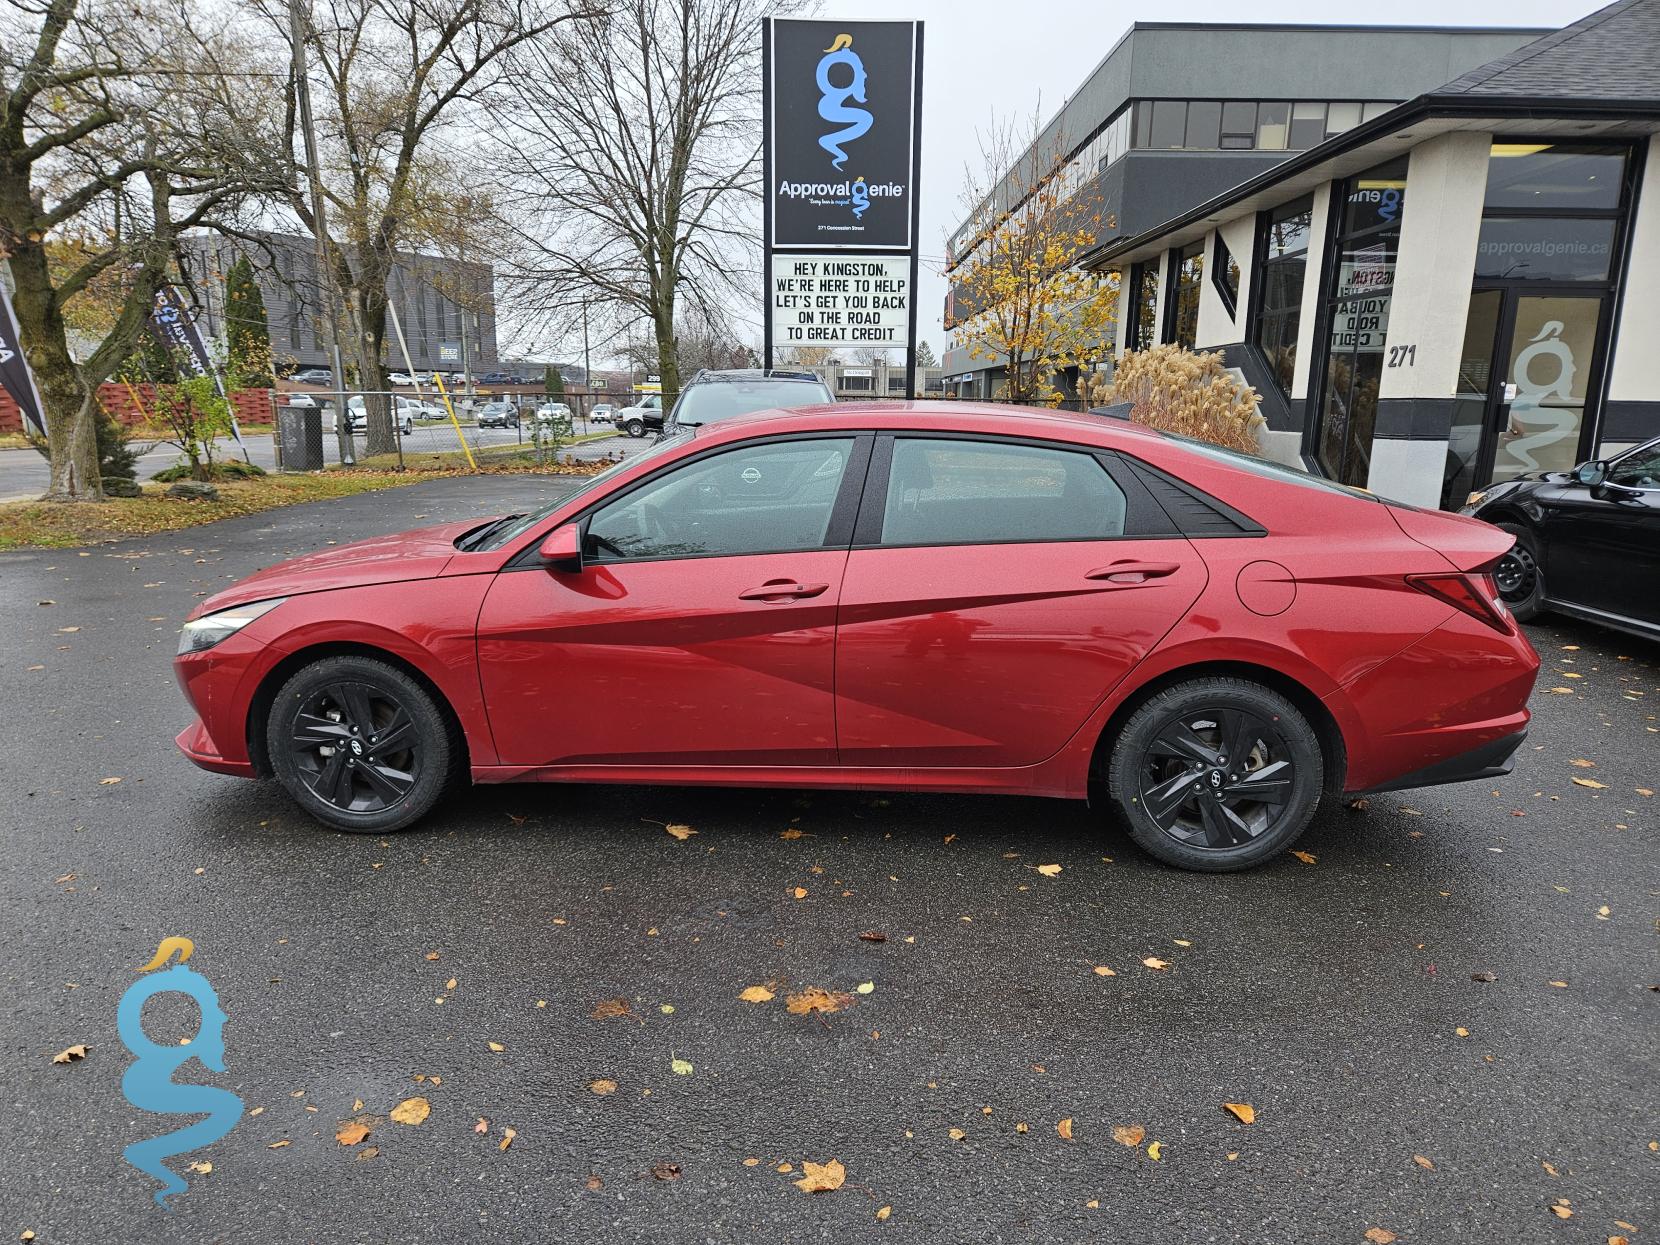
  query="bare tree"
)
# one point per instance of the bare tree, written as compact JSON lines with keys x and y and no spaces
{"x":392,"y":82}
{"x":636,"y":138}
{"x":120,"y":126}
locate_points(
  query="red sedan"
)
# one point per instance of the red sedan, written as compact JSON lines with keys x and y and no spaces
{"x":922,"y":597}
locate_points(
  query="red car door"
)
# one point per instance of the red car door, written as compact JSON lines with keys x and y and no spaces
{"x":701,"y":627}
{"x":996,"y":592}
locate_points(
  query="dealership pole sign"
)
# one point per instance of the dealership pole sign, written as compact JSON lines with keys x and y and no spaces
{"x":842,"y":106}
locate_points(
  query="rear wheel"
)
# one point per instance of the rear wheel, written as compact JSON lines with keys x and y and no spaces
{"x":1216,"y":774}
{"x":360,"y":745}
{"x":635,"y":428}
{"x":1517,"y":576}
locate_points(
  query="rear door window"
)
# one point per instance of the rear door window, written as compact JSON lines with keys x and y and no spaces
{"x":957,"y":492}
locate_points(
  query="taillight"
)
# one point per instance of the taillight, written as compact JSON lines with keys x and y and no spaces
{"x":1473,"y":592}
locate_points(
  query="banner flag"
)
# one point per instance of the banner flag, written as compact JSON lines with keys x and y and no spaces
{"x":172,"y":325}
{"x":15,"y":377}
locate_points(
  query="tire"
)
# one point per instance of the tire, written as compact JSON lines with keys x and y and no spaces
{"x":635,"y":428}
{"x":1175,"y":747}
{"x":1520,"y":568}
{"x":373,"y":792}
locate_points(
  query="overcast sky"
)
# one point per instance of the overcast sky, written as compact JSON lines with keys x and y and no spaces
{"x":994,"y":57}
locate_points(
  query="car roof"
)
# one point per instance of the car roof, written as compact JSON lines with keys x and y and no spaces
{"x":954,"y":416}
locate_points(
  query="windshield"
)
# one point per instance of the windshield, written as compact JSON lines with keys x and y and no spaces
{"x":519,"y":526}
{"x":721,"y":399}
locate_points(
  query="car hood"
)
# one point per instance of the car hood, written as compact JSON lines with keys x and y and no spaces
{"x":420,"y":554}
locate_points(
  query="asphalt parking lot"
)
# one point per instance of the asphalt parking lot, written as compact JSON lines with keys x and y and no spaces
{"x":553,"y":961}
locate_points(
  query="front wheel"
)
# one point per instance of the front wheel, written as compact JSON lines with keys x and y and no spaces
{"x":635,"y":428}
{"x":1517,"y":576}
{"x":1216,"y":774}
{"x":360,"y":745}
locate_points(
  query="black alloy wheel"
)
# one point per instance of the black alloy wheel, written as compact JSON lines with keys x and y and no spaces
{"x":360,"y":745}
{"x":1517,"y":576}
{"x":1217,"y":774}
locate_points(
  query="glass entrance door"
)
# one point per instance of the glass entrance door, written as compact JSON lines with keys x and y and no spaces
{"x":1528,"y":362}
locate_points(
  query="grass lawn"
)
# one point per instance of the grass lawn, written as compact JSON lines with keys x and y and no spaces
{"x":51,"y":525}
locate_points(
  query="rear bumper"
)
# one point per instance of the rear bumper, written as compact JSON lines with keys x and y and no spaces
{"x":1489,"y":760}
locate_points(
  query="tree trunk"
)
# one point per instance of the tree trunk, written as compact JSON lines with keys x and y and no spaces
{"x":366,"y":302}
{"x":71,"y":409}
{"x":668,"y":356}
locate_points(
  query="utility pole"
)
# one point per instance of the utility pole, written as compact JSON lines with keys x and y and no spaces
{"x":587,"y":367}
{"x":298,"y":33}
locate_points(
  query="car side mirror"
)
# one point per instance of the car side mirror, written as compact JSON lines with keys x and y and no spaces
{"x":1591,"y":474}
{"x":562,"y":550}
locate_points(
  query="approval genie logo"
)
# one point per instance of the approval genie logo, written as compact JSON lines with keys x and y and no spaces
{"x":832,"y":99}
{"x":148,"y":1083}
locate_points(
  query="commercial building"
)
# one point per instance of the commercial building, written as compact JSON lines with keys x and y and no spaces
{"x":1177,"y":113}
{"x":1455,"y":292}
{"x":445,"y":306}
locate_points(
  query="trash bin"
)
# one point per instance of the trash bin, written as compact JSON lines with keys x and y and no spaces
{"x":299,"y":438}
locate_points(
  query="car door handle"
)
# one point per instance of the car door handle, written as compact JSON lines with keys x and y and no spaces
{"x":1129,"y":571}
{"x":777,"y":590}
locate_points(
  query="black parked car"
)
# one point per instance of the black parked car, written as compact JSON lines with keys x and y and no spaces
{"x":1587,"y":540}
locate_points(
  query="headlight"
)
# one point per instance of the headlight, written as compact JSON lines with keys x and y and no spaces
{"x":210,"y":629}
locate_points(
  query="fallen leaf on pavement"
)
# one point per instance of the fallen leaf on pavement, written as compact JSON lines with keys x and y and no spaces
{"x":610,"y":1009}
{"x":1561,"y":1211}
{"x":432,"y":955}
{"x":1582,"y":763}
{"x":202,"y":1169}
{"x":1049,"y":871}
{"x":108,"y":782}
{"x":1484,"y":976}
{"x":790,"y":835}
{"x":1379,"y":1236}
{"x":1308,"y":858}
{"x":666,"y":1171}
{"x":681,"y":1067}
{"x":507,"y":1135}
{"x":351,"y":1133}
{"x":1246,"y":1113}
{"x":1064,"y":1128}
{"x":816,"y":999}
{"x":871,"y":935}
{"x":411,"y":1111}
{"x":1560,"y":985}
{"x":603,"y":1087}
{"x":593,"y":1183}
{"x":496,"y":1046}
{"x":1101,"y":970}
{"x":956,"y":1134}
{"x":756,"y":994}
{"x":1157,"y":965}
{"x":1590,"y":782}
{"x":821,"y":1177}
{"x":1129,"y":1134}
{"x":1423,"y":1162}
{"x":483,"y":1125}
{"x":1155,"y":1151}
{"x":69,"y":1054}
{"x":681,"y":832}
{"x":865,"y":987}
{"x":278,"y":1145}
{"x":882,"y":1213}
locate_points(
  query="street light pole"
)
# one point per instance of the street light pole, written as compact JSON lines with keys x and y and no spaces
{"x":298,"y":29}
{"x":587,"y":367}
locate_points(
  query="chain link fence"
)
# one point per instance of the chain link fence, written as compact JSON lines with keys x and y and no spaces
{"x":435,"y":430}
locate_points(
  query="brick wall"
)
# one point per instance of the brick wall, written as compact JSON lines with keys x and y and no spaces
{"x":252,"y":405}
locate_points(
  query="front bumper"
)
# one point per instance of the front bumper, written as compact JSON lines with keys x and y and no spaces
{"x":1493,"y":759}
{"x":197,"y":745}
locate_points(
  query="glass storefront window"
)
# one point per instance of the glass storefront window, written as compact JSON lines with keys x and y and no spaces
{"x":1187,"y":276}
{"x":1358,"y":295}
{"x":1548,"y":369}
{"x":1283,"y":252}
{"x":1239,"y":124}
{"x":1554,"y":176}
{"x":1340,"y":117}
{"x":1273,"y":121}
{"x":1470,"y":391}
{"x":1308,"y":125}
{"x":1204,"y":125}
{"x":1141,"y":306}
{"x":1169,"y":124}
{"x":1548,"y":248}
{"x":1225,"y":274}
